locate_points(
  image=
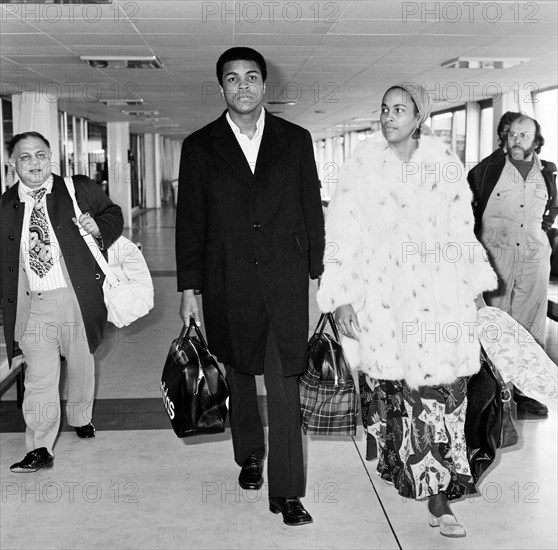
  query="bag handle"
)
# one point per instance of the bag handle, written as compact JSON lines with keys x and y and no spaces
{"x":324,"y":319}
{"x":89,"y":239}
{"x":185,"y":337}
{"x":185,"y":334}
{"x":320,"y":327}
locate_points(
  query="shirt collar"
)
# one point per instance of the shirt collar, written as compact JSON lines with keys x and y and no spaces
{"x":259,"y":125}
{"x":25,"y":190}
{"x":536,"y":161}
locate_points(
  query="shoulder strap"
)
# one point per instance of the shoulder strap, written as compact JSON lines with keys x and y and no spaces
{"x":87,"y":237}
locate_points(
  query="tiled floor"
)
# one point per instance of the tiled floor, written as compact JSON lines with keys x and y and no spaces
{"x":133,"y":487}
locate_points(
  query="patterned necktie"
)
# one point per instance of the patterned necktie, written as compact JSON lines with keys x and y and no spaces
{"x":40,"y":254}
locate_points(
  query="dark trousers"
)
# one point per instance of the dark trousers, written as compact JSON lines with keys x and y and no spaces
{"x":285,"y":467}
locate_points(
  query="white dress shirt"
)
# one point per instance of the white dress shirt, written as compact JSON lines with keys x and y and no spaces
{"x":250,"y":147}
{"x":54,"y":278}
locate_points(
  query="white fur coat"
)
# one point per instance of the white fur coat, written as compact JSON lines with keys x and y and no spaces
{"x":401,"y":249}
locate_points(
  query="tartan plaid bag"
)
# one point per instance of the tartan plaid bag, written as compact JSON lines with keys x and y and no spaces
{"x":328,"y":398}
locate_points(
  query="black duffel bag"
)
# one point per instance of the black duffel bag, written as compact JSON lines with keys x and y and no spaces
{"x":195,"y":393}
{"x":483,"y":419}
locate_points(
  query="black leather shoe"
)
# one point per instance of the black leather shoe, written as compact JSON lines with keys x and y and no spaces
{"x":527,"y":404}
{"x":33,"y":461}
{"x":251,"y":474}
{"x":292,"y":510}
{"x":86,"y":431}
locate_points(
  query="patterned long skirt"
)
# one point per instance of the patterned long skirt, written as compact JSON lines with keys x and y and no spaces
{"x":420,"y":436}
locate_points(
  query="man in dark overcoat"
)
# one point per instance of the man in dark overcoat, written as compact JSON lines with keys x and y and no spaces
{"x":51,"y":291}
{"x":249,"y":234}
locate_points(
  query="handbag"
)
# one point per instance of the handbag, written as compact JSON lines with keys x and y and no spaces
{"x":509,"y":435}
{"x":195,"y":393}
{"x":127,"y":288}
{"x":328,"y":399}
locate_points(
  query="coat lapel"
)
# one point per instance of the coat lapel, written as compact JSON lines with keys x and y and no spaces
{"x":13,"y":211}
{"x":227,"y":146}
{"x":270,"y":147}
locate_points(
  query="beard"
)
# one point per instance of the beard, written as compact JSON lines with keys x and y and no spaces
{"x":520,"y":153}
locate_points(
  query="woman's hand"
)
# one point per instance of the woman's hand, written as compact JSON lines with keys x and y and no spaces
{"x":347,"y":321}
{"x":88,"y":223}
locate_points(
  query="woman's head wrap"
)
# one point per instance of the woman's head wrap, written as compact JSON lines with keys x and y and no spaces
{"x":422,"y":101}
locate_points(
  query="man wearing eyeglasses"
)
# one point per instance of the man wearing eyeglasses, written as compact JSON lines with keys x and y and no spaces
{"x":51,"y":291}
{"x":515,"y":204}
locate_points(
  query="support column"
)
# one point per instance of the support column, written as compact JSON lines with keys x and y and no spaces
{"x":38,"y":112}
{"x":119,"y":170}
{"x":152,"y":171}
{"x":472,"y":133}
{"x":328,"y":182}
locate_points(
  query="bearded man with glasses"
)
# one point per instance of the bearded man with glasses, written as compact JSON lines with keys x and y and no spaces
{"x":515,"y":204}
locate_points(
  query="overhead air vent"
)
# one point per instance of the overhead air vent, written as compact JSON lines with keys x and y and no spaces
{"x":483,"y":63}
{"x":122,"y":61}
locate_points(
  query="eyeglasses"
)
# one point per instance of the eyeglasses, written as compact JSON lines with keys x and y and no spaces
{"x":26,"y":157}
{"x":521,"y":135}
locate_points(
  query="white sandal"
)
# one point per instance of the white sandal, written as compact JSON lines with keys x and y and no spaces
{"x":449,"y":526}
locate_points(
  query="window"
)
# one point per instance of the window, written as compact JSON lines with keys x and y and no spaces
{"x":486,"y":145}
{"x":450,"y":126}
{"x":546,"y":112}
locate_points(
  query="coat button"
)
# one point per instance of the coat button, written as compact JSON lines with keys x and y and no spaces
{"x":16,"y":206}
{"x":10,"y":268}
{"x":11,"y":237}
{"x":97,"y":276}
{"x":10,"y":301}
{"x":256,"y":226}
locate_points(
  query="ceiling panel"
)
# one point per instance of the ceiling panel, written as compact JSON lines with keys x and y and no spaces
{"x":283,"y":27}
{"x":98,"y":39}
{"x":337,"y":57}
{"x":376,"y":27}
{"x":183,"y":42}
{"x":179,"y":9}
{"x":185,"y":26}
{"x":93,"y":26}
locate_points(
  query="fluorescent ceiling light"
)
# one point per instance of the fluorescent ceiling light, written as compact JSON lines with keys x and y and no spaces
{"x":122,"y":102}
{"x":281,"y":102}
{"x":140,"y":113}
{"x":483,"y":62}
{"x":122,"y":61}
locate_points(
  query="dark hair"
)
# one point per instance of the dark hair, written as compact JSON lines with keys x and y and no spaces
{"x":20,"y":137}
{"x":538,"y":136}
{"x":241,"y":54}
{"x":506,"y":120}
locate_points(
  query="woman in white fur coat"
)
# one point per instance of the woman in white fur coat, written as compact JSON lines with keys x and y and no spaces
{"x":403,"y":271}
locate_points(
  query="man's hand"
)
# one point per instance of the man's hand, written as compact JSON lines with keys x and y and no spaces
{"x":190,"y":307}
{"x":88,"y":223}
{"x":346,"y":319}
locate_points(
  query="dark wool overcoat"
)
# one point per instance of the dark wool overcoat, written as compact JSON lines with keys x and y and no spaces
{"x":249,"y":241}
{"x":85,"y":275}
